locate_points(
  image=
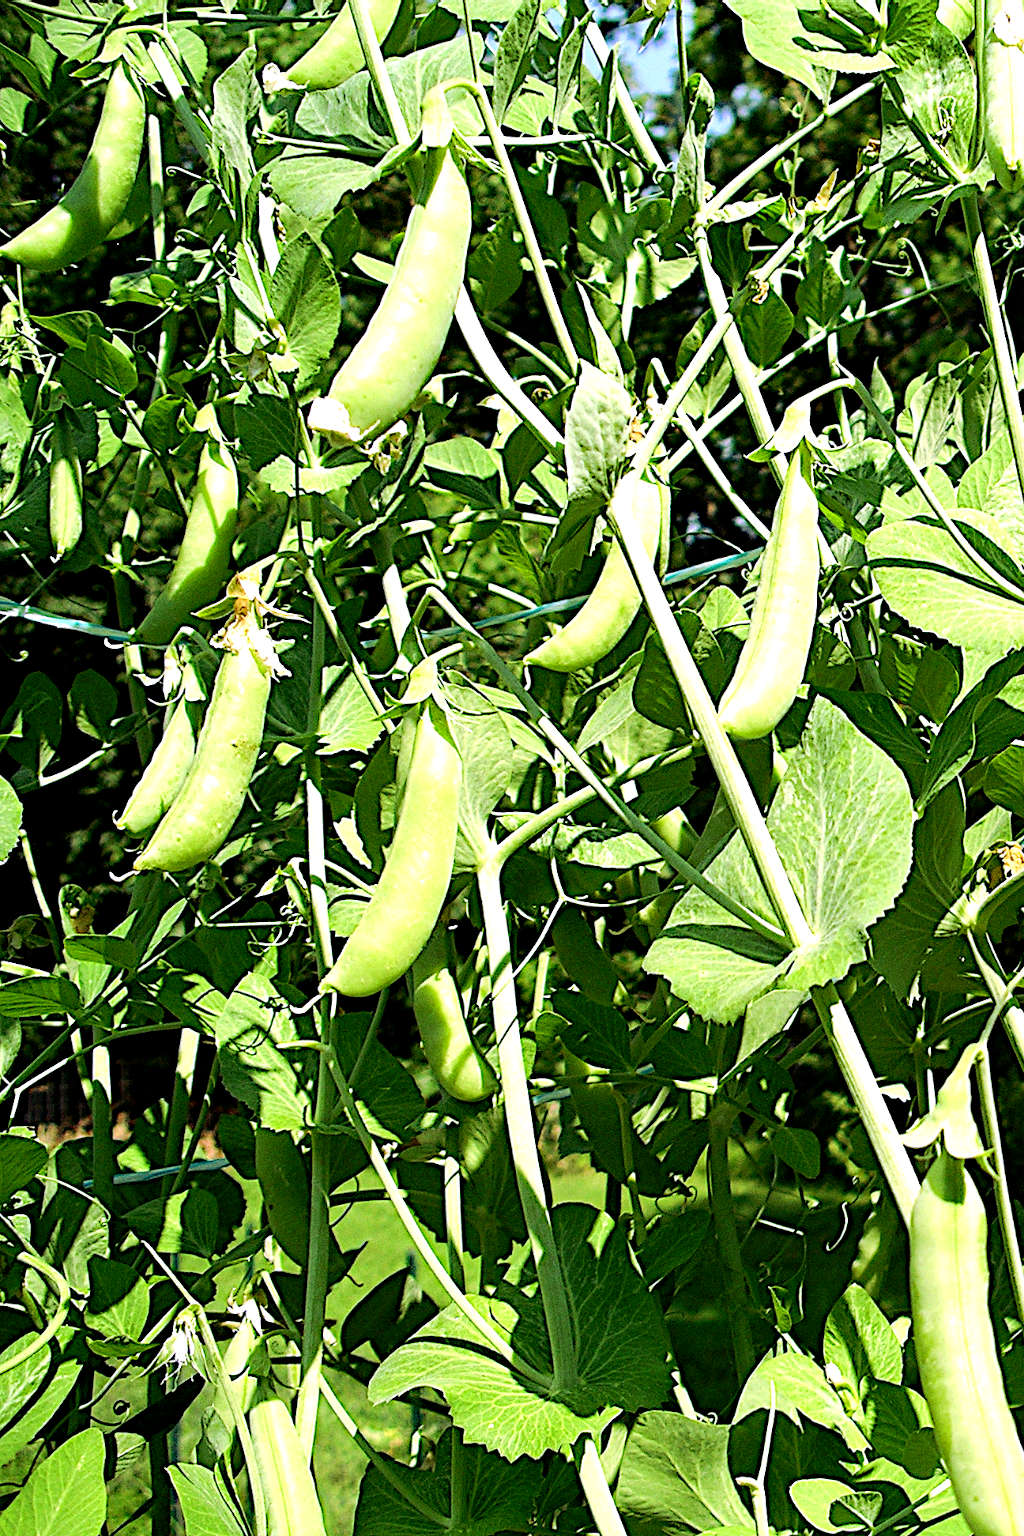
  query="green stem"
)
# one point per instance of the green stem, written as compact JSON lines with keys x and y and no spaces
{"x":597,"y":1492}
{"x":522,"y":213}
{"x":601,"y":789}
{"x":501,"y":381}
{"x":724,"y":1215}
{"x":314,"y":1314}
{"x":522,"y":1131}
{"x":1004,"y":1204}
{"x":378,"y":69}
{"x":1006,"y":370}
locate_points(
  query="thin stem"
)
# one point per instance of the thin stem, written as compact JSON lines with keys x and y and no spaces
{"x":326,"y":1097}
{"x":1004,"y":1204}
{"x":624,"y":101}
{"x":724,"y":1215}
{"x":597,"y":1492}
{"x":501,"y":381}
{"x":522,"y":1130}
{"x":378,"y":69}
{"x":522,"y":213}
{"x":995,"y":324}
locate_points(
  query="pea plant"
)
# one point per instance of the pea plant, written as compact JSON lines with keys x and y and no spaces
{"x":516,"y":595}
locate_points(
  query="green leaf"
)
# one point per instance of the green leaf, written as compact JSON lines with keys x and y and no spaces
{"x":206,"y":1506}
{"x":620,"y":1350}
{"x":930,"y":581}
{"x":466,"y":468}
{"x":306,"y":300}
{"x":595,"y":434}
{"x":10,"y":819}
{"x":860,"y":1344}
{"x":65,"y":1494}
{"x":491,"y":1495}
{"x":795,"y":1386}
{"x":251,"y":1028}
{"x":904,"y":936}
{"x":765,"y":324}
{"x":118,"y":1299}
{"x":38,"y":997}
{"x":773,"y":32}
{"x":842,"y":821}
{"x":30,"y":1396}
{"x":675,"y":1477}
{"x":514,"y":52}
{"x":21,"y":1158}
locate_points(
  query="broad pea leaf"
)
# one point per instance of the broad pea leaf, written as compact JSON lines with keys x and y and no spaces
{"x":65,"y":1494}
{"x":490,"y":1493}
{"x":675,"y":1477}
{"x":842,"y":822}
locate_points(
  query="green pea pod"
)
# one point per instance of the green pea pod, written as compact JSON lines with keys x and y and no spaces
{"x":203,"y":560}
{"x":397,"y":353}
{"x":410,"y":893}
{"x":284,"y":1183}
{"x":457,"y":1065}
{"x":1002,"y":82}
{"x":65,"y":490}
{"x":293,"y":1508}
{"x":773,"y":660}
{"x":98,"y":197}
{"x":208,"y":802}
{"x":615,"y":601}
{"x":168,"y":767}
{"x":336,"y":55}
{"x":956,"y":1351}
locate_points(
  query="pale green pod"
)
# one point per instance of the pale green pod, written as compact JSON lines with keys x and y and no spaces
{"x":615,"y":601}
{"x":399,"y":350}
{"x":208,"y":802}
{"x":293,"y":1508}
{"x":203,"y":562}
{"x":1002,"y":89}
{"x":956,"y":1351}
{"x":164,"y":774}
{"x":407,"y":901}
{"x":457,"y":1065}
{"x":97,"y":198}
{"x":773,"y":660}
{"x":336,"y":55}
{"x":65,"y":489}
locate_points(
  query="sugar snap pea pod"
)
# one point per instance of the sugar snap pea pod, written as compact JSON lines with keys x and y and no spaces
{"x":1002,"y":80}
{"x":410,"y":893}
{"x":293,"y":1508}
{"x":208,"y":802}
{"x":65,"y":489}
{"x":336,"y":55}
{"x":397,"y":353}
{"x":457,"y":1065}
{"x":956,"y":1351}
{"x":773,"y":660}
{"x":168,"y":767}
{"x":97,"y":198}
{"x":615,"y":601}
{"x":203,"y":560}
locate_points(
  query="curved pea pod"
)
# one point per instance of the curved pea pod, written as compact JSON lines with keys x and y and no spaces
{"x":208,"y":802}
{"x":399,"y":350}
{"x":293,"y":1508}
{"x":410,"y":893}
{"x":773,"y":660}
{"x":167,"y":769}
{"x":336,"y":55}
{"x":65,"y":488}
{"x":1002,"y":81}
{"x":458,"y":1066}
{"x":615,"y":601}
{"x":97,"y":198}
{"x":201,"y":567}
{"x":956,"y":1351}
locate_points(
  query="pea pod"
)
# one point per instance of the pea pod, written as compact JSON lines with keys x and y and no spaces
{"x":457,"y":1065}
{"x":397,"y":353}
{"x":773,"y":660}
{"x":615,"y":601}
{"x":203,"y":560}
{"x":1002,"y":81}
{"x":293,"y":1508}
{"x":410,"y":893}
{"x":336,"y":55}
{"x":65,"y":489}
{"x":166,"y":770}
{"x":956,"y":1351}
{"x":97,"y":198}
{"x":208,"y":802}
